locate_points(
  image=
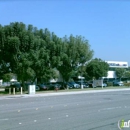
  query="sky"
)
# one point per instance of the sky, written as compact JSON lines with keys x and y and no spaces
{"x":104,"y":23}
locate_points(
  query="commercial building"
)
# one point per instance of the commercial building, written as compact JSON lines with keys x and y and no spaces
{"x":113,"y":65}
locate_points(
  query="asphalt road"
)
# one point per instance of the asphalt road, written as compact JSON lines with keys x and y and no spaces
{"x":94,"y":111}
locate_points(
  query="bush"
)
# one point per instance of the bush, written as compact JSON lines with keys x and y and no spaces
{"x":127,"y":84}
{"x":109,"y":84}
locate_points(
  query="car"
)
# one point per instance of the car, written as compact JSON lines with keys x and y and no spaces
{"x":42,"y":86}
{"x":118,"y":83}
{"x":85,"y":84}
{"x":70,"y":86}
{"x":104,"y":84}
{"x":53,"y":86}
{"x":75,"y":85}
{"x":61,"y":84}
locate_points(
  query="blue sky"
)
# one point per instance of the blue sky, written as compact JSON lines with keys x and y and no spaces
{"x":104,"y":23}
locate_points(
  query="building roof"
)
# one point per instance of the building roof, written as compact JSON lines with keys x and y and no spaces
{"x":117,"y":64}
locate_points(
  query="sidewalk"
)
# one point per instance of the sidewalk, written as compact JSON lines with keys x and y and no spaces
{"x":58,"y":93}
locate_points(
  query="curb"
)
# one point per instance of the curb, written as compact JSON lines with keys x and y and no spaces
{"x":65,"y":93}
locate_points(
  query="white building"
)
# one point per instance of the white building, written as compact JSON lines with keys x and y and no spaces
{"x":115,"y":64}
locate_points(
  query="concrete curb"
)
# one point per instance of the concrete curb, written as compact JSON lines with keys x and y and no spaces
{"x":64,"y":93}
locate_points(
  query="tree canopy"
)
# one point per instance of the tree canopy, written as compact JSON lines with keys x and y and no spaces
{"x":97,"y":68}
{"x":32,"y":53}
{"x":120,"y":72}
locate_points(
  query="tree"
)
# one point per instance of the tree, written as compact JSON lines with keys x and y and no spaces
{"x":44,"y":55}
{"x":75,"y":52}
{"x":31,"y":53}
{"x":120,"y":72}
{"x":81,"y":71}
{"x":97,"y":68}
{"x":127,"y":74}
{"x":23,"y":70}
{"x":7,"y":77}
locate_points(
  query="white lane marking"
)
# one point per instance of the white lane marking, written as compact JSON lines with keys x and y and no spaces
{"x":36,"y":108}
{"x":19,"y":110}
{"x":111,"y":108}
{"x":35,"y":120}
{"x":66,"y":115}
{"x":118,"y":107}
{"x":127,"y":106}
{"x":4,"y":119}
{"x":77,"y":104}
{"x":49,"y":118}
{"x":20,"y":123}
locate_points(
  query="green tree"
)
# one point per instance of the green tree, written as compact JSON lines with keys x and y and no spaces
{"x":31,"y":53}
{"x":7,"y":77}
{"x":24,"y":71}
{"x":44,"y":55}
{"x":75,"y":52}
{"x":127,"y":74}
{"x":97,"y":68}
{"x":120,"y":72}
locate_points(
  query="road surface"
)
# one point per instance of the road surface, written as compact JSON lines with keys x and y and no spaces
{"x":87,"y":111}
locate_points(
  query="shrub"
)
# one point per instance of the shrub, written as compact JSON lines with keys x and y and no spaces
{"x":127,"y":84}
{"x":109,"y":84}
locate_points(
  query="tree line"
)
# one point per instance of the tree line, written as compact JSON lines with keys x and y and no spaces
{"x":32,"y":53}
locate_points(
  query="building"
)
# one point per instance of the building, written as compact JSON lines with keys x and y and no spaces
{"x":113,"y":65}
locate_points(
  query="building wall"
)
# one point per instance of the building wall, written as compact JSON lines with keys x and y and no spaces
{"x":111,"y":74}
{"x":117,"y":64}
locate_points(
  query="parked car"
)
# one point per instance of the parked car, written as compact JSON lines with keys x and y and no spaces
{"x":42,"y":86}
{"x":75,"y":85}
{"x":118,"y":83}
{"x":53,"y":86}
{"x":85,"y":84}
{"x":104,"y":84}
{"x":70,"y":86}
{"x":61,"y":84}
